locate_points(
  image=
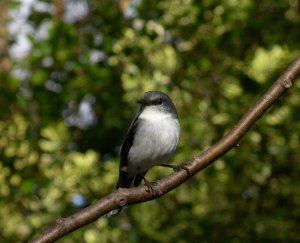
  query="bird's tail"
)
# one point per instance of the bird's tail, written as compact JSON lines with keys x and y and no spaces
{"x":113,"y":212}
{"x":122,"y":183}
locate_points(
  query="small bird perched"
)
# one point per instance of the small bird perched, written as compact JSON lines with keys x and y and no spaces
{"x":151,"y":139}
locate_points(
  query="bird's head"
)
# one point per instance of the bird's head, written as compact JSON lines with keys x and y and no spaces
{"x":156,"y":101}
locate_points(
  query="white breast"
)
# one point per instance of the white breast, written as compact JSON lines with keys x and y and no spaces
{"x":153,"y":115}
{"x":155,"y":141}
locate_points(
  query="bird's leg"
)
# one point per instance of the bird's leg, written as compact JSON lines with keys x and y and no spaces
{"x":178,"y":167}
{"x":149,"y":185}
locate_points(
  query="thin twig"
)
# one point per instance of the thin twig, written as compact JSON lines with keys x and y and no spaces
{"x":134,"y":195}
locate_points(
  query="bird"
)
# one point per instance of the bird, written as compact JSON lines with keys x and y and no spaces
{"x":151,"y":139}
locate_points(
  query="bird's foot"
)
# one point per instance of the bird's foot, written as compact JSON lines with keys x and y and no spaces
{"x":150,"y":186}
{"x":177,"y":168}
{"x":183,"y":166}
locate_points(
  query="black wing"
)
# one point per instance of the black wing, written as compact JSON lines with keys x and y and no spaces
{"x":124,"y":181}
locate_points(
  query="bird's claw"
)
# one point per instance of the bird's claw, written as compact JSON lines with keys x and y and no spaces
{"x":150,"y":186}
{"x":183,"y":166}
{"x":177,"y":168}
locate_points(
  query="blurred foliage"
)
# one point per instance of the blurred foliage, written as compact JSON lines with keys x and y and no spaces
{"x":67,"y":103}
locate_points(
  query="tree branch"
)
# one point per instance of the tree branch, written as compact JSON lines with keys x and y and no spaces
{"x":134,"y":195}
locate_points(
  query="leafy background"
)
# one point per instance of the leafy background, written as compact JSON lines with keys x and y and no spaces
{"x":70,"y":73}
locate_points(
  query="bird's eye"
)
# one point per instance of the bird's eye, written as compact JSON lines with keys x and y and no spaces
{"x":159,"y":102}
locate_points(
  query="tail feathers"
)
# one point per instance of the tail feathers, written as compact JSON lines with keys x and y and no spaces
{"x":124,"y":182}
{"x":113,"y":212}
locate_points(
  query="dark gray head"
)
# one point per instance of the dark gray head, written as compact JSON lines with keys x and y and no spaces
{"x":159,"y":101}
